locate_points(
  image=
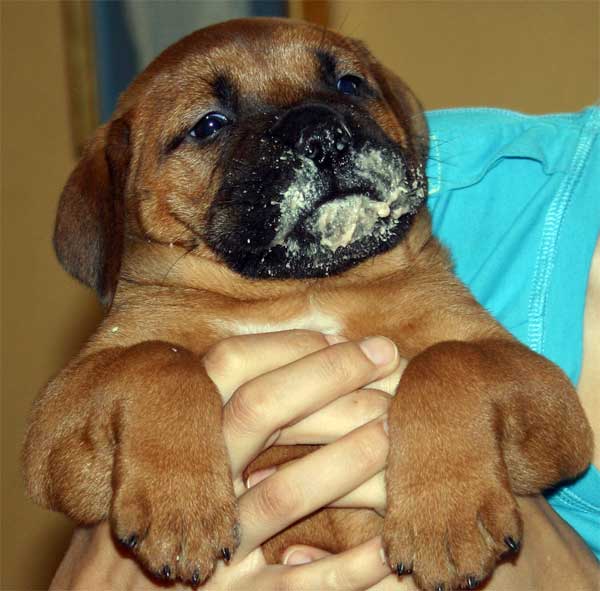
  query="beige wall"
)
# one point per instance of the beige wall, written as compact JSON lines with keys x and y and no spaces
{"x":45,"y":315}
{"x":533,"y":56}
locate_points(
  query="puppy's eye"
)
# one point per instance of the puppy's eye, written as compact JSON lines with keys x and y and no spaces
{"x":209,"y":125}
{"x":349,"y":84}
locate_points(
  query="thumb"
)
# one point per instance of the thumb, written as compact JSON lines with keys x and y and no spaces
{"x":295,"y":555}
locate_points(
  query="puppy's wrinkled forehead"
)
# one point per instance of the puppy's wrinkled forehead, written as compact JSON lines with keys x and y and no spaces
{"x":271,"y":62}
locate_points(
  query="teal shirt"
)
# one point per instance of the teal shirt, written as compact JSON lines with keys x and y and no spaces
{"x":516,"y":198}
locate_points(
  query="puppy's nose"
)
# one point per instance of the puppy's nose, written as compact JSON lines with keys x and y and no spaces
{"x":315,"y":131}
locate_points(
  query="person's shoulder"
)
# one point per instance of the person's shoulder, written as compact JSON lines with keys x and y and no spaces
{"x":466,"y":143}
{"x":491,"y":116}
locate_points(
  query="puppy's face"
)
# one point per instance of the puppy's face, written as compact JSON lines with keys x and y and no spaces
{"x":277,"y":148}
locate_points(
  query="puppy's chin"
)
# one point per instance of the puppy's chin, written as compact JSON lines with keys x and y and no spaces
{"x":336,"y":237}
{"x":314,"y":221}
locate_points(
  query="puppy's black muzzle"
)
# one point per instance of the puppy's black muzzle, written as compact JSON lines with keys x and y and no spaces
{"x":314,"y":131}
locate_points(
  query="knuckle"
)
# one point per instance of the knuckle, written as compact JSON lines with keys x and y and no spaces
{"x":294,"y":580}
{"x":276,"y":499}
{"x":244,"y":412}
{"x":371,"y":453}
{"x":338,"y":366}
{"x":303,"y":334}
{"x":339,"y":578}
{"x":302,"y":341}
{"x":223,"y":357}
{"x":370,"y":404}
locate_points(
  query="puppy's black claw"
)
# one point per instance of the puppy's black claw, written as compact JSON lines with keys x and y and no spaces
{"x":440,"y":587}
{"x":472,"y":582}
{"x":195,"y":577}
{"x":400,"y":570}
{"x":512,"y":544}
{"x":226,"y":554}
{"x":165,"y":572}
{"x":130,"y":542}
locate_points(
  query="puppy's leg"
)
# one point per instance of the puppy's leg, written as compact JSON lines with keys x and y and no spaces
{"x":134,"y":435}
{"x":472,"y":423}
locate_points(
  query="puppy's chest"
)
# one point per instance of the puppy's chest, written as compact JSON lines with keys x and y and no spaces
{"x":314,"y":319}
{"x":311,"y":319}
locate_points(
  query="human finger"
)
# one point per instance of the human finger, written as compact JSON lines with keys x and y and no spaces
{"x":256,"y":410}
{"x":238,"y":359}
{"x":337,"y":418}
{"x":309,"y":483}
{"x":370,"y":494}
{"x":297,"y":555}
{"x":357,"y":569}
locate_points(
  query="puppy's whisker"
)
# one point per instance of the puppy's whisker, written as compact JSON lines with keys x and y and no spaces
{"x":177,"y":260}
{"x":340,"y":28}
{"x":323,"y":35}
{"x":438,"y":142}
{"x":182,"y":233}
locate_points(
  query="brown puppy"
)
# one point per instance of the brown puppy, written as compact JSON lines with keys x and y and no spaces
{"x":262,"y":170}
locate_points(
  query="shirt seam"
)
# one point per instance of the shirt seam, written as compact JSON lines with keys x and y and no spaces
{"x":575,"y":501}
{"x":546,"y":255}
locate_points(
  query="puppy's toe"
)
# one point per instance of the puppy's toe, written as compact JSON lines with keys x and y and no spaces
{"x":130,"y":517}
{"x":149,"y":531}
{"x":215,"y":536}
{"x":177,"y":528}
{"x":398,"y":544}
{"x":471,"y":555}
{"x":416,"y":539}
{"x":500,"y":518}
{"x":450,"y":536}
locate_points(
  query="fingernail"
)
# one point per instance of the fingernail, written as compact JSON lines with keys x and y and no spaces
{"x":334,"y":339}
{"x":379,"y":350}
{"x":259,"y":476}
{"x":386,"y":426}
{"x":382,"y":556}
{"x":296,"y":557}
{"x":274,"y":437}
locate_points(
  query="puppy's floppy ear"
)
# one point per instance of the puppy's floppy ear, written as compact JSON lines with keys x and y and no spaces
{"x":88,"y":235}
{"x":407,"y":108}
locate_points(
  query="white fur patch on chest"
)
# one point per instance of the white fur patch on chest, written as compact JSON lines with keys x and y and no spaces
{"x":314,"y":319}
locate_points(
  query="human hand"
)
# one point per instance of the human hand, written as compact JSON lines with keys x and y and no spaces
{"x":545,"y":533}
{"x":263,"y":370}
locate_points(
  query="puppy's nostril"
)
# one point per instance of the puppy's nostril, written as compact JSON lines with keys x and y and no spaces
{"x":315,"y":131}
{"x":311,"y":149}
{"x":343,"y":138}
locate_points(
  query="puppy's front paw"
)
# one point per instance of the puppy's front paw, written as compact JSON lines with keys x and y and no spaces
{"x":178,"y":521}
{"x":450,"y":533}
